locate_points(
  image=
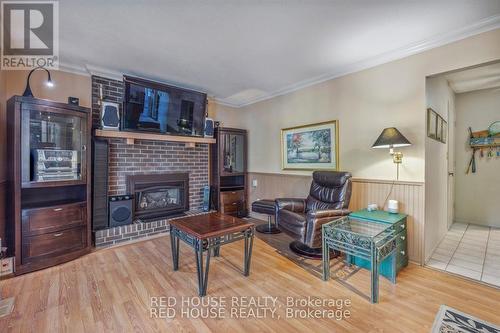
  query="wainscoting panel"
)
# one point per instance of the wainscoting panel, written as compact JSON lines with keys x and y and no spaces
{"x":409,"y":194}
{"x":411,"y":201}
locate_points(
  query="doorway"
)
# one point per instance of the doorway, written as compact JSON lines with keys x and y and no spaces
{"x":462,"y":226}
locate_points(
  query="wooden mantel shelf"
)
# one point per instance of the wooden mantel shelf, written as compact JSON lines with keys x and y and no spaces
{"x":132,"y":136}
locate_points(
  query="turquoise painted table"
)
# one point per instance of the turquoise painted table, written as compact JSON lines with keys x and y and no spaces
{"x":372,"y":241}
{"x":399,"y":225}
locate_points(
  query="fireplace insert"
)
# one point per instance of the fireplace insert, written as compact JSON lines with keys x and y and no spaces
{"x":159,"y":196}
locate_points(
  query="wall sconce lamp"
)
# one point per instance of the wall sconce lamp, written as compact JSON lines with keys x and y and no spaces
{"x":49,"y":82}
{"x":392,"y":138}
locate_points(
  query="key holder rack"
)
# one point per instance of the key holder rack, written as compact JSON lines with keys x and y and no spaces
{"x":488,"y":140}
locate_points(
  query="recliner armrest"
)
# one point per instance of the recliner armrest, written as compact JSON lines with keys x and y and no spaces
{"x":315,"y":220}
{"x":319,"y":214}
{"x":291,"y":204}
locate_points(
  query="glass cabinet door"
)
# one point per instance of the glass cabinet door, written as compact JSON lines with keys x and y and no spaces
{"x":234,"y":153}
{"x":52,"y":145}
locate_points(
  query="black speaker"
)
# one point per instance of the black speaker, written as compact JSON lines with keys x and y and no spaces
{"x":110,"y":115}
{"x":73,"y":100}
{"x":120,"y":210}
{"x":99,"y":184}
{"x":209,"y":128}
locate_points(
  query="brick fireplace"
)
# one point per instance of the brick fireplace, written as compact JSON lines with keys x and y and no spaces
{"x":146,"y":158}
{"x":157,"y":157}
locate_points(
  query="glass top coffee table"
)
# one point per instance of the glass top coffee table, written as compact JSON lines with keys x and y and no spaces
{"x":368,"y":240}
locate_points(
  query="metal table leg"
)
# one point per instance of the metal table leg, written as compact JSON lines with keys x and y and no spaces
{"x":174,"y":243}
{"x":212,"y":247}
{"x":202,"y":273}
{"x":326,"y":261}
{"x":374,"y":275}
{"x":248,"y":251}
{"x":217,"y":248}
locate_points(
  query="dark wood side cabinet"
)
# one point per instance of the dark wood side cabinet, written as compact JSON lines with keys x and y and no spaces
{"x":229,"y":171}
{"x":48,"y":182}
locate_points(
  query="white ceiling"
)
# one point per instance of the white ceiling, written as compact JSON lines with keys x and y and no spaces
{"x":241,"y":52}
{"x":472,"y":79}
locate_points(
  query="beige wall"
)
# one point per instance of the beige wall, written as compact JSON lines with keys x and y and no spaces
{"x":476,"y":196}
{"x":228,"y":116}
{"x":66,"y":84}
{"x":365,"y":102}
{"x":392,"y":94}
{"x":441,"y":99}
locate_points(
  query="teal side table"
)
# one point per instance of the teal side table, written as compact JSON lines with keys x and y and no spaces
{"x":398,"y":222}
{"x":358,"y":238}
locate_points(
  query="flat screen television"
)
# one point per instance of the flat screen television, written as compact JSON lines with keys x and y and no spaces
{"x":153,"y":107}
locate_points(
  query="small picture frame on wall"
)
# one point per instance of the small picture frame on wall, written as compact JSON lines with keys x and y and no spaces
{"x":439,"y":128}
{"x":444,"y":134}
{"x":431,"y":123}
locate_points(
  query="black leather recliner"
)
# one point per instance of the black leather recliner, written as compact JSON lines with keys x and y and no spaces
{"x":302,"y":219}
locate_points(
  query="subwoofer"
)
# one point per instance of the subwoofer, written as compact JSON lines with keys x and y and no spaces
{"x":110,"y":116}
{"x":120,"y":210}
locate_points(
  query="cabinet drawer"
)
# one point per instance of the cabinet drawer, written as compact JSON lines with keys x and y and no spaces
{"x":230,"y":197}
{"x":401,"y":237}
{"x":231,"y":208}
{"x":53,"y":244}
{"x":399,"y":226}
{"x":401,"y":251}
{"x":50,"y":219}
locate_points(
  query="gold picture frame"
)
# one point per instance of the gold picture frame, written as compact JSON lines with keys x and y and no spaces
{"x":437,"y":127}
{"x":444,"y":134}
{"x":311,"y":147}
{"x":432,"y":123}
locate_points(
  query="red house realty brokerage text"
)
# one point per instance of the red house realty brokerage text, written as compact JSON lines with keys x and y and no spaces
{"x":249,"y":307}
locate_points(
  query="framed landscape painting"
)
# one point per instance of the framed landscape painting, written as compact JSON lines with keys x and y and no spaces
{"x":310,"y":147}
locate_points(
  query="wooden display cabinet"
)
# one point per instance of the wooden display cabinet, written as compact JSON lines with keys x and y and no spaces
{"x":48,"y":193}
{"x":229,"y":172}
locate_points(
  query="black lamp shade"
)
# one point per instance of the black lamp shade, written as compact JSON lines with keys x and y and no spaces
{"x":391,"y":138}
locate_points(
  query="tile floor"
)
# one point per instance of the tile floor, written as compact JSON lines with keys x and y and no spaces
{"x":470,"y":250}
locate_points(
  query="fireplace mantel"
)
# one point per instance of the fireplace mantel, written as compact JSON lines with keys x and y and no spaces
{"x":132,"y":136}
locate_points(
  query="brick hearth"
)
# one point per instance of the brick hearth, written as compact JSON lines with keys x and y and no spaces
{"x":127,"y":233}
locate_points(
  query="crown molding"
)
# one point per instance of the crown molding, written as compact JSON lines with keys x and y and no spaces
{"x":104,"y":72}
{"x":487,"y":24}
{"x":73,"y":68}
{"x":222,"y":101}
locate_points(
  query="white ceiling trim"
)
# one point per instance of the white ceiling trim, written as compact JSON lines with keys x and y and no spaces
{"x":476,"y":84}
{"x":103,"y":72}
{"x":487,"y":24}
{"x":72,"y":68}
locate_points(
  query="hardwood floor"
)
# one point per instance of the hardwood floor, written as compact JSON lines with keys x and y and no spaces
{"x":110,"y":291}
